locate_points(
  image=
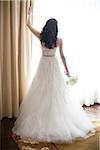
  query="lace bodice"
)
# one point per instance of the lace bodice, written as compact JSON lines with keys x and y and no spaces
{"x":48,"y":52}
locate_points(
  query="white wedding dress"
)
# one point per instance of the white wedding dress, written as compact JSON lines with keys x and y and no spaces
{"x":49,"y":111}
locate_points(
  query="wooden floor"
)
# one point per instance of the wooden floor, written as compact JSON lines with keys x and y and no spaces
{"x":6,"y":141}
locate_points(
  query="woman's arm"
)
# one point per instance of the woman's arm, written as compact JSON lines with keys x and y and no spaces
{"x":35,"y":32}
{"x":63,"y":57}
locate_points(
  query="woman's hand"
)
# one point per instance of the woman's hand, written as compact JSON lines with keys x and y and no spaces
{"x":67,"y":73}
{"x":30,"y":10}
{"x":29,"y":15}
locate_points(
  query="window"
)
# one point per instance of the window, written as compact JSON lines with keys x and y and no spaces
{"x":79,"y":27}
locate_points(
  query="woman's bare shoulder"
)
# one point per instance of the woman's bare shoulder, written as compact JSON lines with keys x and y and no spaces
{"x":59,"y":41}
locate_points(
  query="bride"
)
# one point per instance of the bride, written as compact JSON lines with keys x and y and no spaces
{"x":49,"y":111}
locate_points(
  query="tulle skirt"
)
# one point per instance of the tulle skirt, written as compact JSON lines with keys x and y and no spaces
{"x":50,"y":111}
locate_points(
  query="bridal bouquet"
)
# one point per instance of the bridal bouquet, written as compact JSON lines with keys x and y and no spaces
{"x":72,"y":80}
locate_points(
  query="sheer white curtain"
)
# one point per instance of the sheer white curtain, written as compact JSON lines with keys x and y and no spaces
{"x":79,"y":27}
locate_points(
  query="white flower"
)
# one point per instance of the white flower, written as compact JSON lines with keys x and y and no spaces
{"x":72,"y":80}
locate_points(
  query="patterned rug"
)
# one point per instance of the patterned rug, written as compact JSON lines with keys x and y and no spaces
{"x":91,"y":143}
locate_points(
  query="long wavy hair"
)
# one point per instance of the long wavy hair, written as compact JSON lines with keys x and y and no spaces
{"x":49,"y":33}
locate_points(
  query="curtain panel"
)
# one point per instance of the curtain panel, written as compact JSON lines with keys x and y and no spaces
{"x":15,"y":56}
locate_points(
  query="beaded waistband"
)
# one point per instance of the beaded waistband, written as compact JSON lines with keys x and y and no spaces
{"x":48,"y":55}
